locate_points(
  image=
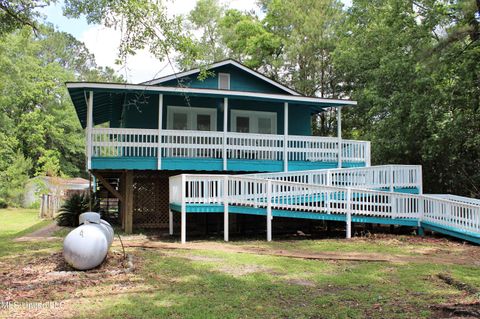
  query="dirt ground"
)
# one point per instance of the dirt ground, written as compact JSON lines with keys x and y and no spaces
{"x":470,"y":254}
{"x":26,"y":277}
{"x":50,"y":278}
{"x":45,"y":233}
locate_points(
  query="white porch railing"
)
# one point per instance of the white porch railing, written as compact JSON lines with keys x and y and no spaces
{"x":121,"y":142}
{"x":373,"y":177}
{"x":309,"y":198}
{"x":248,"y":191}
{"x":453,"y":214}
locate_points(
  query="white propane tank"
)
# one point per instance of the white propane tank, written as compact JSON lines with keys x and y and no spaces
{"x":90,"y":217}
{"x":86,"y":246}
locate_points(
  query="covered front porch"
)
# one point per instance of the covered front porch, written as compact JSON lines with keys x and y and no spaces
{"x":165,"y":128}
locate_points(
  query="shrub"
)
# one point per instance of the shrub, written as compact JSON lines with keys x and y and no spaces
{"x":3,"y":203}
{"x":35,"y":205}
{"x":75,"y":205}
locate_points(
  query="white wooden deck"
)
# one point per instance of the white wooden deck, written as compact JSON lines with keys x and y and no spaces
{"x":357,"y":197}
{"x":121,"y":143}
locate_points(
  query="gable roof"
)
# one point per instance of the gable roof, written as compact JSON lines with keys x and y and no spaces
{"x":219,"y":64}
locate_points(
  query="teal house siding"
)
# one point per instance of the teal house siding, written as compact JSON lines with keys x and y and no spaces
{"x":240,"y":80}
{"x":299,"y":120}
{"x":138,"y":111}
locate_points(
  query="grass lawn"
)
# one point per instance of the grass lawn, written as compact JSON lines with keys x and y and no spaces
{"x":217,"y":283}
{"x":16,"y":222}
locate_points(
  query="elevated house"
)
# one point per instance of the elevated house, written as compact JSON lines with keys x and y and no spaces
{"x":180,"y":144}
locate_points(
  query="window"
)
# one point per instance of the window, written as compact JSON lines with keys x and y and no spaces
{"x":204,"y":122}
{"x":254,"y":122}
{"x":191,"y":118}
{"x":224,"y":81}
{"x":180,"y":121}
{"x":265,"y":125}
{"x":243,"y":124}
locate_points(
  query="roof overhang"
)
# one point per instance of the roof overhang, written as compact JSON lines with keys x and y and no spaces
{"x":104,"y":97}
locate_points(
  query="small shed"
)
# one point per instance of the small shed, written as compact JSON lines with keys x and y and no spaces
{"x":49,"y":192}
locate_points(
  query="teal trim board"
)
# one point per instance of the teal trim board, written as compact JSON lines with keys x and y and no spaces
{"x":200,"y":164}
{"x":450,"y":231}
{"x":141,"y":163}
{"x":204,"y":164}
{"x":402,"y":190}
{"x":254,"y":165}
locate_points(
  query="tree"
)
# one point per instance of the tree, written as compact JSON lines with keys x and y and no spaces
{"x":15,"y":14}
{"x":144,"y":24}
{"x":39,"y":129}
{"x":13,"y":179}
{"x":204,"y":19}
{"x":412,"y":67}
{"x":309,"y":32}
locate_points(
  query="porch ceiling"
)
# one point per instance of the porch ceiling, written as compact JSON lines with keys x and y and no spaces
{"x":107,"y":95}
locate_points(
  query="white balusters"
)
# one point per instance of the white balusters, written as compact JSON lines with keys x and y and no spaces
{"x":300,"y":197}
{"x":373,"y":177}
{"x":128,"y":142}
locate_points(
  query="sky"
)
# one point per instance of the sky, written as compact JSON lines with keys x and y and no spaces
{"x":103,"y":42}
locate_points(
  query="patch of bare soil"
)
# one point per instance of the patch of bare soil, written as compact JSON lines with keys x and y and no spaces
{"x":470,"y":255}
{"x":203,"y":258}
{"x":464,"y":310}
{"x":45,"y":233}
{"x":242,"y":270}
{"x":35,"y":279}
{"x":457,"y":310}
{"x":301,"y":282}
{"x":44,"y":286}
{"x":458,"y":284}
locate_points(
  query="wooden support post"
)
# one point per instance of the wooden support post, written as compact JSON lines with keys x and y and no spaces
{"x":170,"y":222}
{"x":285,"y":137}
{"x":123,"y":205}
{"x":183,"y":226}
{"x":269,"y":210}
{"x":129,"y":202}
{"x":348,"y":215}
{"x":225,"y":209}
{"x":160,"y":121}
{"x":225,"y":130}
{"x":339,"y":135}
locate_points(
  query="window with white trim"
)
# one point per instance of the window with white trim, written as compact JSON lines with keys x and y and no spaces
{"x":243,"y":121}
{"x":191,"y":118}
{"x":224,"y":81}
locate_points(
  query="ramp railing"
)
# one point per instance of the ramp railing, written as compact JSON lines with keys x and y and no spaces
{"x":303,"y":198}
{"x":381,"y":177}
